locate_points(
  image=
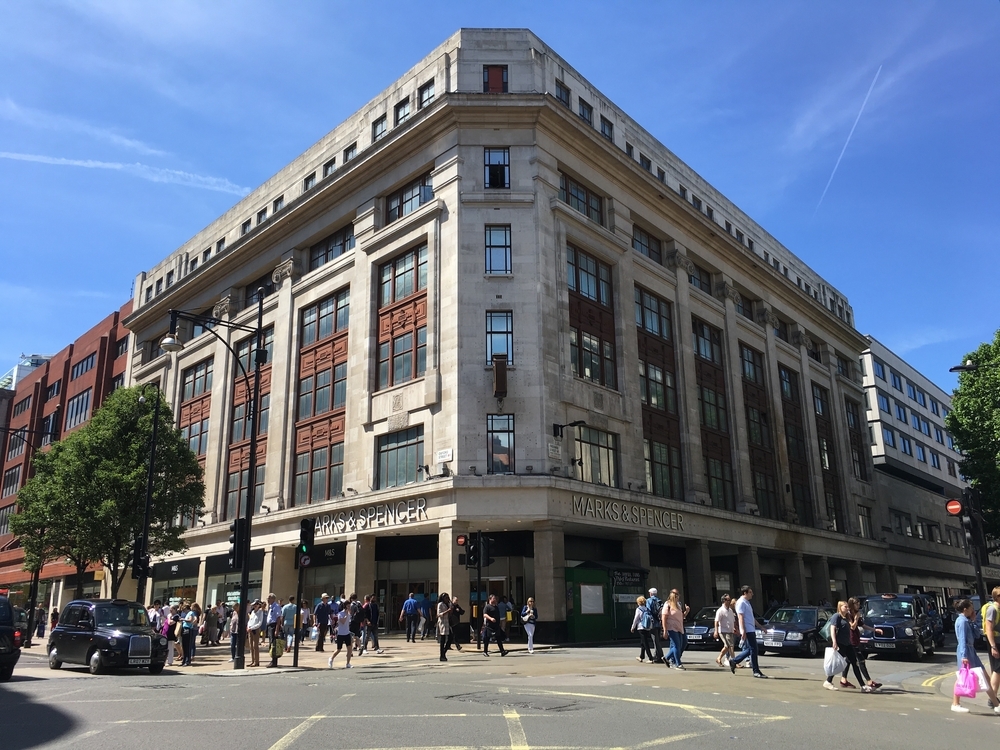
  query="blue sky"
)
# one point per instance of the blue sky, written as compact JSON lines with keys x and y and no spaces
{"x":126,"y":127}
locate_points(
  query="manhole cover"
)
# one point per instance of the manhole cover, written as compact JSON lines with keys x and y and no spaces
{"x":531,"y":703}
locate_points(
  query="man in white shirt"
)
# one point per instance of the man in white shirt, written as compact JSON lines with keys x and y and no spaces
{"x":748,"y":632}
{"x":725,"y":620}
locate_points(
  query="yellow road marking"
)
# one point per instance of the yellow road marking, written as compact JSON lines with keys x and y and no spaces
{"x":518,"y":740}
{"x":932,"y":681}
{"x":297,"y":732}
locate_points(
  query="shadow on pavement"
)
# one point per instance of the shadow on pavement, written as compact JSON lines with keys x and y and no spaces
{"x":28,"y":724}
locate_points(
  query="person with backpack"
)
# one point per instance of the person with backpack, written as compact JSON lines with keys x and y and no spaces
{"x":655,"y":607}
{"x":643,"y":623}
{"x":990,"y":613}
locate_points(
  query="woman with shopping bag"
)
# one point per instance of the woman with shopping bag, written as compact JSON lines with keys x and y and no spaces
{"x":970,"y":668}
{"x":842,"y":653}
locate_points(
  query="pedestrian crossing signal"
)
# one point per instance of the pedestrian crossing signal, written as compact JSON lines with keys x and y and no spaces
{"x":307,"y":536}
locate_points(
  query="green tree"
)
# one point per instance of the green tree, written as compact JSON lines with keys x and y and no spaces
{"x":91,"y":487}
{"x":974,"y":422}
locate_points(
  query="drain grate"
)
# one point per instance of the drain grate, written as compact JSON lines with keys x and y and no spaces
{"x":530,"y":703}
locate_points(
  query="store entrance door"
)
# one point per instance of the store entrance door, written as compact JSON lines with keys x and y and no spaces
{"x":399,"y":592}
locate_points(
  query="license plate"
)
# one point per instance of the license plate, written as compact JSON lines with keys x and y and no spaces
{"x":885,"y":645}
{"x":138,"y":662}
{"x":772,"y":644}
{"x":694,"y":637}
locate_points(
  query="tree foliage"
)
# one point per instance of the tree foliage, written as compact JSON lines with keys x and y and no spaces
{"x":86,"y":501}
{"x":974,"y":422}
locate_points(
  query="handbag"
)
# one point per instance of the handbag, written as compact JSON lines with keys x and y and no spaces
{"x":178,"y":630}
{"x":966,"y":683}
{"x":277,"y":647}
{"x":833,"y":661}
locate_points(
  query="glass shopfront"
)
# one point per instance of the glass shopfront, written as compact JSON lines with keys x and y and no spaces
{"x":404,"y":565}
{"x":91,"y":588}
{"x":223,"y":584}
{"x":174,"y":581}
{"x":325,"y":574}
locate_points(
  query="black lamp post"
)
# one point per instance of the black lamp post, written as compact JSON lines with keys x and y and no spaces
{"x":970,"y":366}
{"x":140,"y":556}
{"x":172,"y":343}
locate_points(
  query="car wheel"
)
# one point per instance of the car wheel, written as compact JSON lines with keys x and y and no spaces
{"x":155,"y":668}
{"x":95,"y":662}
{"x":54,"y":662}
{"x":812,"y":648}
{"x":921,"y":651}
{"x":6,"y":674}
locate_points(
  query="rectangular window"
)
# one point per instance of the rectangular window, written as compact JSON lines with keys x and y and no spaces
{"x":330,"y":167}
{"x":645,"y":163}
{"x":707,"y":341}
{"x":494,"y":79}
{"x":262,"y":216}
{"x":11,"y":482}
{"x":951,"y":469}
{"x":710,"y":213}
{"x":661,"y":175}
{"x":425,"y":94}
{"x":379,"y":128}
{"x":758,"y":431}
{"x":701,"y":279}
{"x":403,"y":276}
{"x":402,"y":359}
{"x":696,"y":201}
{"x":879,"y":369}
{"x":409,"y":198}
{"x":789,"y":384}
{"x":399,"y":455}
{"x":500,"y":444}
{"x":720,"y":483}
{"x":350,"y":152}
{"x":16,"y":440}
{"x":753,"y":364}
{"x":149,"y":294}
{"x":889,"y":437}
{"x":915,"y":419}
{"x":934,"y":407}
{"x":656,"y":387}
{"x":820,"y":400}
{"x":121,"y":347}
{"x":245,"y":226}
{"x":629,"y":150}
{"x":597,"y":456}
{"x":309,"y":182}
{"x":663,"y":469}
{"x":496,"y":168}
{"x":897,"y":382}
{"x":244,"y":348}
{"x":652,"y":314}
{"x":588,"y":276}
{"x":883,"y":403}
{"x":84,"y":365}
{"x":500,"y":336}
{"x":332,"y":247}
{"x":498,"y":249}
{"x":78,"y":409}
{"x":739,"y":237}
{"x":865,"y":522}
{"x":824,"y":454}
{"x":5,"y":514}
{"x":53,"y":390}
{"x":278,"y":204}
{"x":22,"y":406}
{"x":197,"y":380}
{"x":935,"y":460}
{"x":921,"y":453}
{"x":900,"y":412}
{"x":196,"y":435}
{"x":744,"y":306}
{"x":220,"y":246}
{"x":118,"y":382}
{"x":607,"y":129}
{"x":938,"y":435}
{"x":170,"y":279}
{"x":712,"y":405}
{"x":401,"y":112}
{"x":905,"y":445}
{"x":236,"y":492}
{"x":593,"y":358}
{"x":257,"y":290}
{"x":853,"y":415}
{"x":562,"y":93}
{"x":586,"y":112}
{"x":581,"y":198}
{"x":646,"y":244}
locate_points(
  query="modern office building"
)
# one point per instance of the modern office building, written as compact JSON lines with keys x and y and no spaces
{"x":493,"y":301}
{"x":57,"y":395}
{"x":26,"y":364}
{"x":916,"y":471}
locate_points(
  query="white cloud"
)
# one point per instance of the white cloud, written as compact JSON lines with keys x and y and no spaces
{"x":146,"y":172}
{"x":36,"y":118}
{"x":913,"y":340}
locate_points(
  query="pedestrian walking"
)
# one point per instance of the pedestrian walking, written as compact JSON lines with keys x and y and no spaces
{"x":965,"y":632}
{"x":289,"y":623}
{"x":840,"y":640}
{"x":233,"y":628}
{"x":491,"y":626}
{"x":344,"y":637}
{"x":503,"y":608}
{"x":529,"y":616}
{"x":323,"y":613}
{"x":725,"y":622}
{"x":411,"y":614}
{"x":643,"y":624}
{"x":444,"y":624}
{"x":40,"y":622}
{"x":655,"y":606}
{"x":991,"y":630}
{"x":672,"y":622}
{"x":747,"y":630}
{"x":53,"y":620}
{"x":855,"y":619}
{"x":426,"y":617}
{"x":255,"y":622}
{"x":454,"y":620}
{"x":372,"y":616}
{"x":357,"y":622}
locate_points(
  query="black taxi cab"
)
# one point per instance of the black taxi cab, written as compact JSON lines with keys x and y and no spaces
{"x":11,"y":636}
{"x":105,"y":634}
{"x":899,"y":624}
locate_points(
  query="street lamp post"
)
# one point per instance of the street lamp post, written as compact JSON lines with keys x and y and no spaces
{"x":970,"y":366}
{"x":172,"y":343}
{"x":140,"y":558}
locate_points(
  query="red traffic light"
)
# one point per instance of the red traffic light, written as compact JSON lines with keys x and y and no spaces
{"x":954,"y":507}
{"x":461,"y":539}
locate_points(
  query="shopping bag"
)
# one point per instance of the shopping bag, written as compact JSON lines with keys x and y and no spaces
{"x":966,"y":684}
{"x":314,"y":633}
{"x":833,"y":662}
{"x":981,"y":678}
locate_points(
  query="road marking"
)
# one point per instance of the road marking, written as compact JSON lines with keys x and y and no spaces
{"x":79,"y":737}
{"x":297,"y":732}
{"x":932,"y":681}
{"x":288,"y":718}
{"x":62,"y":695}
{"x":518,"y":740}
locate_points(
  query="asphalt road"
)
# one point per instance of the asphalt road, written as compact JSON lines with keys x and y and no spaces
{"x":559,"y":698}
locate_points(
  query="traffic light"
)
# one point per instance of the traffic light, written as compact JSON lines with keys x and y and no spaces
{"x":485,"y":547}
{"x":462,"y":541}
{"x":307,"y":536}
{"x":472,"y":551}
{"x":140,"y":561}
{"x":237,"y":543}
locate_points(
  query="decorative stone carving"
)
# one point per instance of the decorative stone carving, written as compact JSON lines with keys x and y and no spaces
{"x":285,"y":270}
{"x":399,"y":421}
{"x":224,"y":307}
{"x":767,"y":318}
{"x":723,"y":290}
{"x":397,"y":402}
{"x":801,"y":338}
{"x":679,"y":261}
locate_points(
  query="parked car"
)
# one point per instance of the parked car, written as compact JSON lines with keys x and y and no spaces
{"x":699,"y":632}
{"x":901,"y":624}
{"x":795,"y":630}
{"x":104,"y":634}
{"x":11,"y":636}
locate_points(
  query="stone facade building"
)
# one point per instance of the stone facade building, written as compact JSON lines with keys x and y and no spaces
{"x":495,"y":302}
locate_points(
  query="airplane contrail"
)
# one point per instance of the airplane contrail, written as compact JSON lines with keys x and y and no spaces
{"x":848,"y":140}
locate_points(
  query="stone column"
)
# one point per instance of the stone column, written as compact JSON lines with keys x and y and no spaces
{"x":453,"y":577}
{"x":804,"y":343}
{"x":693,"y":461}
{"x":202,"y":581}
{"x":217,"y":450}
{"x":635,"y":548}
{"x":842,"y":448}
{"x":748,"y":566}
{"x":699,"y":575}
{"x":742,"y":476}
{"x":550,"y":581}
{"x":280,"y":574}
{"x":359,"y":565}
{"x":885,"y":579}
{"x":795,"y":577}
{"x":855,"y":579}
{"x":820,"y":583}
{"x":767,"y":319}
